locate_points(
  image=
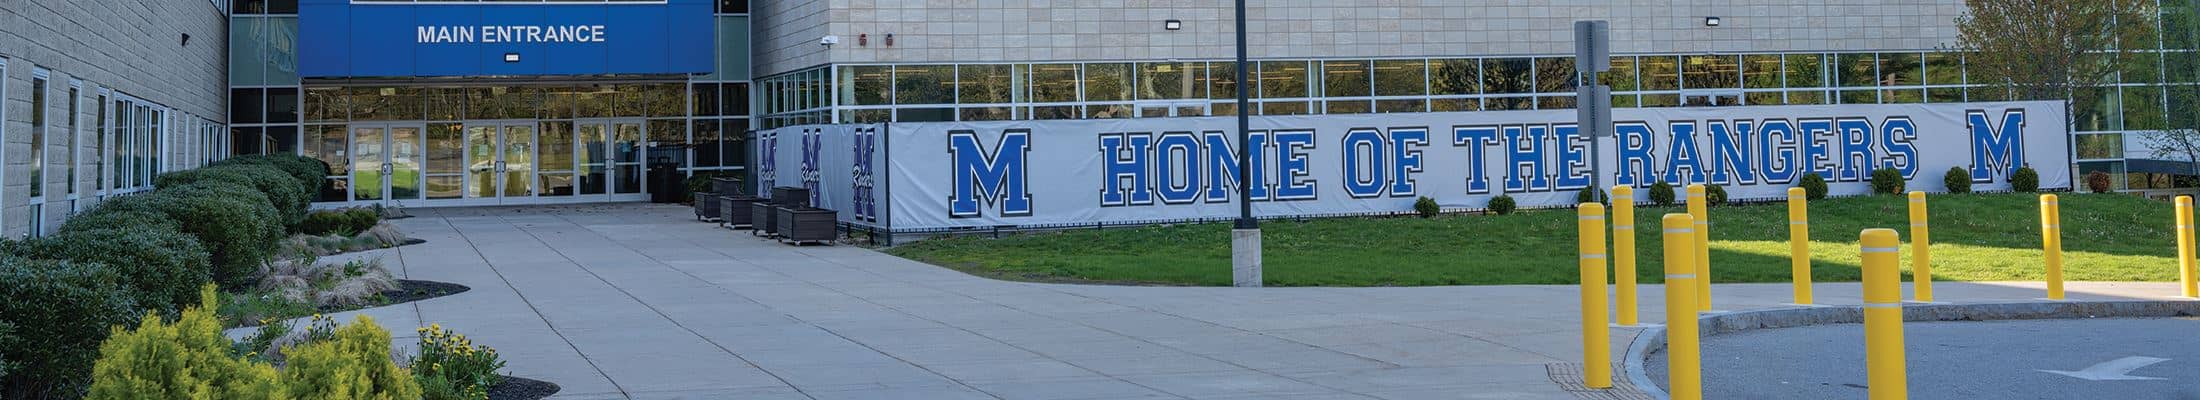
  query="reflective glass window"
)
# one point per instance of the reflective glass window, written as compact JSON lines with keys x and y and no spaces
{"x":1283,"y":79}
{"x":1107,"y":82}
{"x":1401,"y":77}
{"x":1507,"y":75}
{"x":1456,"y":77}
{"x":924,"y":84}
{"x":986,"y":84}
{"x":1171,"y":81}
{"x":1345,"y":79}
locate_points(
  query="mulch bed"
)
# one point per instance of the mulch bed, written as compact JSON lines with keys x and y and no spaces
{"x":411,"y":290}
{"x":517,"y":388}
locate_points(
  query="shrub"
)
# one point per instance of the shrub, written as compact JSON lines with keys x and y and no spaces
{"x":165,"y":268}
{"x":308,"y":171}
{"x":1591,"y":195}
{"x":1661,"y":193}
{"x":120,"y":212}
{"x":2025,"y":180}
{"x":454,"y":363}
{"x":354,"y":365}
{"x":1957,"y":179}
{"x":1887,"y":181}
{"x":2099,"y":182}
{"x":234,"y":223}
{"x":189,"y":359}
{"x":61,"y":311}
{"x":289,"y":201}
{"x":339,"y":222}
{"x":1814,"y":186}
{"x":1503,"y":204}
{"x":1714,"y":195}
{"x":7,"y":341}
{"x":1427,"y":207}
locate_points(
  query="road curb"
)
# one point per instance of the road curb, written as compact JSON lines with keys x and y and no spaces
{"x":1719,"y":323}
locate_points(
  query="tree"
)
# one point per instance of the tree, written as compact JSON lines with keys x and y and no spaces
{"x":2050,"y":49}
{"x":2181,"y":141}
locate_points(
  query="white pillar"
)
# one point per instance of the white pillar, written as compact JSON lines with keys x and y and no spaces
{"x":1245,"y":257}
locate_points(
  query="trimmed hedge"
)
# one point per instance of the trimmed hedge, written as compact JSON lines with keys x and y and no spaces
{"x":346,"y":222}
{"x":62,"y":310}
{"x":1814,"y":186}
{"x":1661,"y":193}
{"x":108,"y":215}
{"x":235,"y":223}
{"x":1888,"y":181}
{"x":165,"y":267}
{"x":2025,"y":180}
{"x":1957,"y":180}
{"x":288,"y":199}
{"x":310,"y":172}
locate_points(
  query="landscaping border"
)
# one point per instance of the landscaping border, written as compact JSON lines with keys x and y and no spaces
{"x":1652,"y":337}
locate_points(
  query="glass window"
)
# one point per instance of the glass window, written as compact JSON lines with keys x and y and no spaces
{"x":1761,"y":71}
{"x":1456,"y":77}
{"x":734,"y":99}
{"x":2096,"y":146}
{"x":1805,"y":71}
{"x":281,"y":48}
{"x":1107,"y":82}
{"x":386,"y":103}
{"x":246,"y":140}
{"x":247,"y":106}
{"x":1169,"y":81}
{"x":986,"y":84}
{"x":1943,"y":69}
{"x":1054,"y":83}
{"x":1283,"y":79}
{"x":1900,"y":69}
{"x":282,"y":105}
{"x":733,"y":6}
{"x":1711,"y":72}
{"x":1345,"y":79}
{"x":1401,"y":78}
{"x":248,"y":50}
{"x":1399,"y":106}
{"x":703,"y":99}
{"x":1857,"y":70}
{"x":329,"y":104}
{"x":1555,"y":75}
{"x":2095,"y":109}
{"x":281,"y":139}
{"x":2145,"y":68}
{"x":1286,"y":108}
{"x":2143,"y":109}
{"x":1222,"y":81}
{"x":1507,"y":75}
{"x":1661,"y":73}
{"x":2184,"y":98}
{"x":2114,"y":169}
{"x":1456,"y":104}
{"x":449,"y":104}
{"x":868,"y":85}
{"x":38,"y":136}
{"x":705,"y":145}
{"x":924,"y":84}
{"x":1622,"y":76}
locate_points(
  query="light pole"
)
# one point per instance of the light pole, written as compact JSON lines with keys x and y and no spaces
{"x":1245,"y":237}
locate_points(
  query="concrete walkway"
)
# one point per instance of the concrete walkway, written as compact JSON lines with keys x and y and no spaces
{"x":642,"y":302}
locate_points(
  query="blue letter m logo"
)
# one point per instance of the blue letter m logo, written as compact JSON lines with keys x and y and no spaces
{"x":1995,"y":150}
{"x":991,"y":177}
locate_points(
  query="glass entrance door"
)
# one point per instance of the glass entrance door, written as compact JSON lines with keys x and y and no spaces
{"x":500,"y":162}
{"x":386,"y":161}
{"x":609,"y":159}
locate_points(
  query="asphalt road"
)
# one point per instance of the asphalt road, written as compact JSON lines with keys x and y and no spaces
{"x":1962,"y":360}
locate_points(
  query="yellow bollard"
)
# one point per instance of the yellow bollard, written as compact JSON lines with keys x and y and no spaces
{"x":2186,"y":266}
{"x":1623,"y":249}
{"x":1596,"y":338}
{"x":1921,"y":249}
{"x":1799,"y":243}
{"x":2051,"y":243}
{"x":1888,"y":375}
{"x":1683,"y":358}
{"x":1699,"y":209}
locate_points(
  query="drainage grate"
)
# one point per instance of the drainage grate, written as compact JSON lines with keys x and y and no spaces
{"x":1568,"y":377}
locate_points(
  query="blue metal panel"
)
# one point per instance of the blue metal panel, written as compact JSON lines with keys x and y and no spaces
{"x":341,"y":39}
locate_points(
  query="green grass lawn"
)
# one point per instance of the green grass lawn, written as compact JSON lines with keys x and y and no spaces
{"x":1991,"y":237}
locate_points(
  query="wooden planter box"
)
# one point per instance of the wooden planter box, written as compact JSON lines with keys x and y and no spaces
{"x":791,"y":196}
{"x":734,"y":211}
{"x":727,"y":186}
{"x":707,"y":207}
{"x":763,"y":220}
{"x":806,"y":225}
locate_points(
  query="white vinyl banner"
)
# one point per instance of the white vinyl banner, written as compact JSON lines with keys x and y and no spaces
{"x":1086,"y":172}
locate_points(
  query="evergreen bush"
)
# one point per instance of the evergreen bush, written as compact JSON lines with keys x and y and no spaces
{"x":61,"y":311}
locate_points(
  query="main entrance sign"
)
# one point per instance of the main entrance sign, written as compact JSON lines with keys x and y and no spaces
{"x":1085,"y":172}
{"x":346,"y":38}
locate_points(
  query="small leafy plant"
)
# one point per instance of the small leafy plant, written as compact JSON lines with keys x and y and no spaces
{"x":1957,"y":180}
{"x":1661,"y":193}
{"x":1503,"y":204}
{"x":1427,"y":207}
{"x":1714,"y":195}
{"x":1814,"y":186}
{"x":451,"y":367}
{"x":2025,"y":180}
{"x":2099,"y":182}
{"x":1887,"y":181}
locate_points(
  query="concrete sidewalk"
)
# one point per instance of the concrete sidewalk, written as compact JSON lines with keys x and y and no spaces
{"x":642,"y":302}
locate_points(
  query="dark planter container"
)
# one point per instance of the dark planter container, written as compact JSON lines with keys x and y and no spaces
{"x":734,"y":211}
{"x":804,"y":224}
{"x":707,"y":207}
{"x":763,"y":220}
{"x":727,"y":185}
{"x":791,"y":196}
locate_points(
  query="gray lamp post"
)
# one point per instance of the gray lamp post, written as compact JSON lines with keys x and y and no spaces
{"x":1245,"y":237}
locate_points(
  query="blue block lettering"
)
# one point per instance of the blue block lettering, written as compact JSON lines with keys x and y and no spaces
{"x":989,"y":177}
